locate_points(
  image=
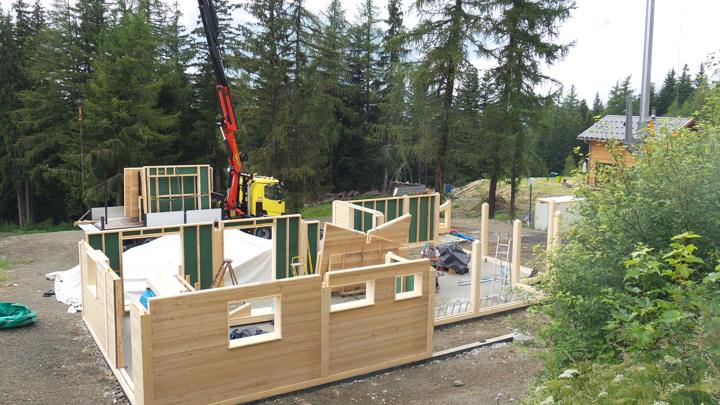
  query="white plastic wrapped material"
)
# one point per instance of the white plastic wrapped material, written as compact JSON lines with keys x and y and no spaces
{"x":251,"y":260}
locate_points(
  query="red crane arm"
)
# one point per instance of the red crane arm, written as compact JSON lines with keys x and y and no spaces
{"x":229,"y":125}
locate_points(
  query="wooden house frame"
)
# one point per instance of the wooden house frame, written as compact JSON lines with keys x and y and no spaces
{"x":176,"y":350}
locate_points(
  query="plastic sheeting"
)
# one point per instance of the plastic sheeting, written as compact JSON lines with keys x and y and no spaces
{"x":251,"y":257}
{"x":251,"y":261}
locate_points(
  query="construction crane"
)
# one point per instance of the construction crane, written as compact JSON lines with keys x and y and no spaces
{"x":247,"y":195}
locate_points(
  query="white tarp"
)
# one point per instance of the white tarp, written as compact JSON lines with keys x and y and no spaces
{"x":162,"y":256}
{"x":251,"y":257}
{"x":251,"y":260}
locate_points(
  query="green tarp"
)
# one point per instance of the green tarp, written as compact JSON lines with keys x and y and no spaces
{"x":15,"y":315}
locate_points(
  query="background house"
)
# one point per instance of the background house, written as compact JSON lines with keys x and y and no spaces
{"x":612,"y":128}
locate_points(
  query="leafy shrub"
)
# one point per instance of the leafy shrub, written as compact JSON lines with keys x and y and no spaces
{"x":662,"y":300}
{"x":666,"y":324}
{"x":672,"y":188}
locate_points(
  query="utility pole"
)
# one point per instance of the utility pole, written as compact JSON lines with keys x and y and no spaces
{"x":647,"y":62}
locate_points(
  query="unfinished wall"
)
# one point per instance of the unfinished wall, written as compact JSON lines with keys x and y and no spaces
{"x":424,"y":209}
{"x":191,"y":360}
{"x":150,"y":189}
{"x":102,"y":302}
{"x":202,"y":244}
{"x":183,"y":354}
{"x":344,"y":248}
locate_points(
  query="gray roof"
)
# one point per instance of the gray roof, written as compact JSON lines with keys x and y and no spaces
{"x":613,"y":127}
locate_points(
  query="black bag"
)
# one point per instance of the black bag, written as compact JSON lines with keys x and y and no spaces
{"x":453,"y":257}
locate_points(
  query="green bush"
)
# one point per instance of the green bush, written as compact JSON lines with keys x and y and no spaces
{"x":672,"y":188}
{"x":666,"y":324}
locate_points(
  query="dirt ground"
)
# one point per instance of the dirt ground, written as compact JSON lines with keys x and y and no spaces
{"x":56,"y":361}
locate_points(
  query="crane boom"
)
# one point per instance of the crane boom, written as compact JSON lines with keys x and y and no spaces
{"x":228,"y":127}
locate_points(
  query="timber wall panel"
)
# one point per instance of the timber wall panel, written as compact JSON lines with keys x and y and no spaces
{"x":191,"y":360}
{"x":131,"y":184}
{"x":100,"y":305}
{"x":386,"y":331}
{"x":176,"y":188}
{"x":424,"y":208}
{"x":344,"y":248}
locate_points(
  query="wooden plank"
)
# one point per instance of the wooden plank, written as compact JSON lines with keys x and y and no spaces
{"x":515,"y":260}
{"x":396,"y":230}
{"x":131,"y":192}
{"x":484,"y":230}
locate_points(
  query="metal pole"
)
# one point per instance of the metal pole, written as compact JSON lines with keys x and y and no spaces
{"x":530,"y":218}
{"x":647,"y":62}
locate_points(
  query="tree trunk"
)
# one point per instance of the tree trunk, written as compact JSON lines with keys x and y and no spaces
{"x":514,"y":174}
{"x":492,"y":193}
{"x":28,"y":204}
{"x":20,"y":204}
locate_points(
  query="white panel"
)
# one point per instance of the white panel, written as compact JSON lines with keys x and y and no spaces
{"x":207,"y":215}
{"x":112,"y":212}
{"x":164,"y":218}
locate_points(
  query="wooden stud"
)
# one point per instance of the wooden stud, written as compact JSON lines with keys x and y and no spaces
{"x":484,"y":231}
{"x":516,"y":248}
{"x":557,"y":224}
{"x":475,"y":273}
{"x":550,"y":224}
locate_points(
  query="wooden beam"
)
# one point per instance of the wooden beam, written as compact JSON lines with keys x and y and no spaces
{"x":516,"y":248}
{"x":484,"y":230}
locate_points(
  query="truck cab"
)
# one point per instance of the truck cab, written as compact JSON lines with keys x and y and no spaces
{"x":266,"y":196}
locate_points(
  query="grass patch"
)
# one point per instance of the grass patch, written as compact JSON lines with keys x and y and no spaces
{"x":324,"y":210}
{"x":317,"y":211}
{"x":40,"y":227}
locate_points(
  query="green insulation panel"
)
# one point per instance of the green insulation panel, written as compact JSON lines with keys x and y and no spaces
{"x":281,"y":259}
{"x":312,"y":234}
{"x":367,"y":217}
{"x":206,"y":270}
{"x":413,"y":237}
{"x":113,"y":250}
{"x":190,"y":253}
{"x":357,"y":220}
{"x":432,"y":201}
{"x":423,"y":218}
{"x":172,"y":188}
{"x":392,"y":210}
{"x":96,"y":242}
{"x":409,"y":284}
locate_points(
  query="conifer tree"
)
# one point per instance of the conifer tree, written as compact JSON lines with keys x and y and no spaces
{"x":667,"y":94}
{"x":330,"y":75}
{"x":126,"y":125}
{"x":526,"y":32}
{"x":446,"y":29}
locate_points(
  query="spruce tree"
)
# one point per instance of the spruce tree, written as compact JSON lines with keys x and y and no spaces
{"x":445,"y":30}
{"x":667,"y":93}
{"x":617,"y":99}
{"x":526,"y":33}
{"x":684,"y":86}
{"x":126,"y":125}
{"x":331,"y":77}
{"x":392,"y":125}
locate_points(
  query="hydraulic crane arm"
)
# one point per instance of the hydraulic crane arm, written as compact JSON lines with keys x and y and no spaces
{"x":229,"y":126}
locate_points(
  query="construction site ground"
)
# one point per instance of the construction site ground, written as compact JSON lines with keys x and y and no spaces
{"x":56,"y":361}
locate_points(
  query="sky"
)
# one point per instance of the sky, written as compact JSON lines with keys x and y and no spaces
{"x":608,"y":39}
